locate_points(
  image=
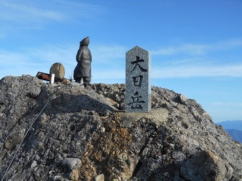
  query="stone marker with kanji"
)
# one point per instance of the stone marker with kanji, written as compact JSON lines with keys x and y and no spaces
{"x":138,"y":91}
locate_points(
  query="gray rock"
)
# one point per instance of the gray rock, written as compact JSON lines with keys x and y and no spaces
{"x":71,"y":163}
{"x":176,"y":140}
{"x":205,"y":165}
{"x":59,"y":178}
{"x":34,"y":164}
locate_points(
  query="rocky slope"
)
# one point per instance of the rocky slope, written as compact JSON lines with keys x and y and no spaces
{"x":83,"y":134}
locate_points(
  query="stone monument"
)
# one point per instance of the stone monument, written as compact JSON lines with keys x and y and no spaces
{"x":59,"y":71}
{"x":82,"y":71}
{"x":138,"y":91}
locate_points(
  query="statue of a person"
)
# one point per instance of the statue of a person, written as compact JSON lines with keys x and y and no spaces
{"x":82,"y":71}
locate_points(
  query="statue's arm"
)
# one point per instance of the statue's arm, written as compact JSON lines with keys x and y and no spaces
{"x":90,"y":55}
{"x":77,"y":55}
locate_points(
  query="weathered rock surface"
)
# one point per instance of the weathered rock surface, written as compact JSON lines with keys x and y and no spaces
{"x":84,"y":135}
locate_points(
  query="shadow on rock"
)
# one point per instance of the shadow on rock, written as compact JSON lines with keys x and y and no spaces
{"x":66,"y":103}
{"x":206,"y":165}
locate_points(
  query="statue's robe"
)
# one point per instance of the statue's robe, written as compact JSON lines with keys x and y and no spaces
{"x":83,"y":68}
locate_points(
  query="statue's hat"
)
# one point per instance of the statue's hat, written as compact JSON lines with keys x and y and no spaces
{"x":85,"y":41}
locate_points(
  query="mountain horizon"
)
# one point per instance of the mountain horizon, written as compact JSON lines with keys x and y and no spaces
{"x":231,"y":124}
{"x":235,"y":134}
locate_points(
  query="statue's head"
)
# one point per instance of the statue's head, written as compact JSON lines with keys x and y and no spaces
{"x":85,"y":42}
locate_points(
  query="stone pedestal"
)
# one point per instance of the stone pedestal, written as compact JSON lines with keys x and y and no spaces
{"x":138,"y":91}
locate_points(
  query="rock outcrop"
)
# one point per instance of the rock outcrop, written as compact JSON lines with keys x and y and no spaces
{"x":83,"y":134}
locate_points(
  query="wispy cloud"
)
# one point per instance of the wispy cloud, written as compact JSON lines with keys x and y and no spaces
{"x":50,"y":53}
{"x":198,"y":71}
{"x":108,"y":74}
{"x":16,"y":63}
{"x":227,"y":104}
{"x":32,"y":60}
{"x":102,"y":54}
{"x":109,"y":53}
{"x":11,"y":59}
{"x":110,"y":60}
{"x":178,"y":72}
{"x":198,"y":60}
{"x":27,"y":14}
{"x":16,"y":11}
{"x":198,"y":49}
{"x":223,"y":111}
{"x":78,"y":9}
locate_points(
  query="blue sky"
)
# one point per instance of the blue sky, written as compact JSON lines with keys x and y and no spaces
{"x":195,"y":45}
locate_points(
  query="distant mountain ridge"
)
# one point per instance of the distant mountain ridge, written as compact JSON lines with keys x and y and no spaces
{"x":235,"y":124}
{"x":235,"y":134}
{"x":233,"y":128}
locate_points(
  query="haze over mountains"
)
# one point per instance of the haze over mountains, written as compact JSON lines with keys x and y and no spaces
{"x":233,"y":128}
{"x":235,"y":134}
{"x":235,"y":124}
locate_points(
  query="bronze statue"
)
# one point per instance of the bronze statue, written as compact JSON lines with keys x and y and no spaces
{"x":82,"y":71}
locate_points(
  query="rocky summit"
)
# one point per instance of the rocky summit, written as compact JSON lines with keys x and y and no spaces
{"x":68,"y":132}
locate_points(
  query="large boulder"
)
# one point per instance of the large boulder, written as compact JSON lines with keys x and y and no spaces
{"x":83,"y":134}
{"x":59,"y":70}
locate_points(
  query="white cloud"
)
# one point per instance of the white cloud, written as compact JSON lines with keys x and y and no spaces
{"x":30,"y":61}
{"x":102,"y":54}
{"x":107,"y":73}
{"x":198,"y":49}
{"x":50,"y":53}
{"x":176,"y":72}
{"x":28,"y":14}
{"x":225,"y":112}
{"x":79,"y":9}
{"x":109,"y":60}
{"x":15,"y":63}
{"x":227,"y":104}
{"x":107,"y":53}
{"x":16,"y":11}
{"x":14,"y":58}
{"x":186,"y":48}
{"x":198,"y":71}
{"x":196,"y":63}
